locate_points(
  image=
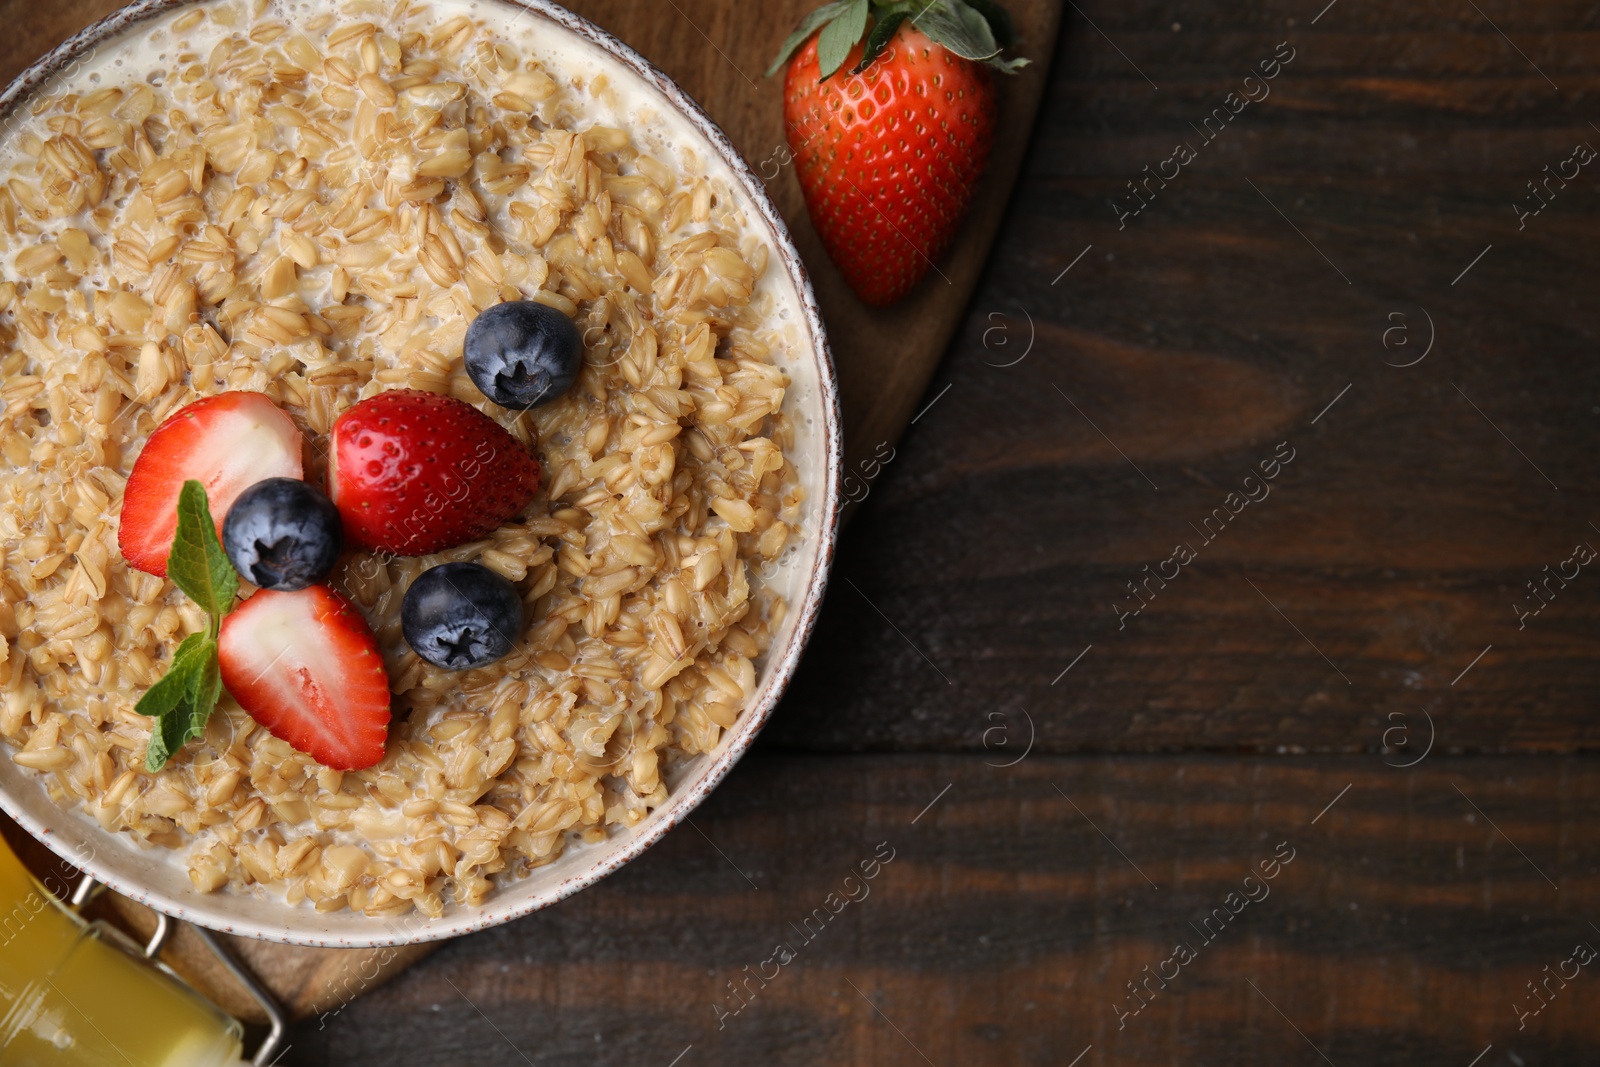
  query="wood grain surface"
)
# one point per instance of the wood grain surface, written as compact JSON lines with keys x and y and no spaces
{"x":1112,"y":382}
{"x":1254,"y":291}
{"x":1016,"y":909}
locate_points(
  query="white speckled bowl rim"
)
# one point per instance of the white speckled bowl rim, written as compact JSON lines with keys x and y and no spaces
{"x":73,"y":837}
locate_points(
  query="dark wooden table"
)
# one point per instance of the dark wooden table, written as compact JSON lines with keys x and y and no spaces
{"x":1349,"y":671}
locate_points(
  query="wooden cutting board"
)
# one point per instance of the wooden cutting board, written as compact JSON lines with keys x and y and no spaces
{"x":716,"y":50}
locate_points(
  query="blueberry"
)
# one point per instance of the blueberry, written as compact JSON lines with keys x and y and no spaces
{"x":461,"y":615}
{"x":283,"y":534}
{"x":522,"y":354}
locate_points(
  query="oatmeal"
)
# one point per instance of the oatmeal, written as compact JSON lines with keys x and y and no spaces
{"x":314,"y":201}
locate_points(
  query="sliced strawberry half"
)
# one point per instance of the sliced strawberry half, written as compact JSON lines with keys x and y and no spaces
{"x":226,"y":442}
{"x":305,"y":666}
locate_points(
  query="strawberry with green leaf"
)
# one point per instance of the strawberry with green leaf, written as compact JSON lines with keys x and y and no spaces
{"x":890,"y":112}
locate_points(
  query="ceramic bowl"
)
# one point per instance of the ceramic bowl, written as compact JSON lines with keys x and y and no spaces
{"x":152,"y":878}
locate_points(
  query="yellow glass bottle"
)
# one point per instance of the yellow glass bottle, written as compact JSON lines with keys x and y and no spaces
{"x":71,"y":995}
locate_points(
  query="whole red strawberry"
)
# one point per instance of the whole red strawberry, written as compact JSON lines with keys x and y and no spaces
{"x":889,"y":152}
{"x":414,"y":472}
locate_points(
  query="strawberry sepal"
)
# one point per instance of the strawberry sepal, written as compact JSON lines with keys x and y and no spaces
{"x":975,"y":30}
{"x":963,"y":29}
{"x":878,"y":39}
{"x":803,"y":31}
{"x":999,"y":20}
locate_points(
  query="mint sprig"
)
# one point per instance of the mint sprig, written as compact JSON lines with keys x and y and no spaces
{"x":183,"y":699}
{"x":197,"y":564}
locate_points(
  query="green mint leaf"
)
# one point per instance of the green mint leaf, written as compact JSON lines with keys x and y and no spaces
{"x":189,"y":691}
{"x":155,"y":752}
{"x":882,"y":31}
{"x":170,"y":733}
{"x":839,"y":36}
{"x":808,"y":25}
{"x":197,"y":564}
{"x":183,"y":699}
{"x":173,"y":687}
{"x":205,"y":687}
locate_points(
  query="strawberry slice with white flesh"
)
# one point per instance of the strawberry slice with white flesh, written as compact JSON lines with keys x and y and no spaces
{"x":305,"y":666}
{"x":227,"y":443}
